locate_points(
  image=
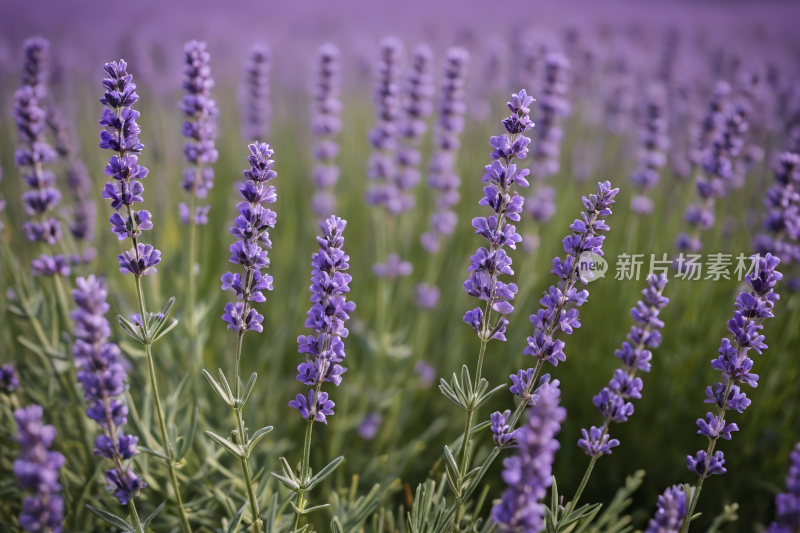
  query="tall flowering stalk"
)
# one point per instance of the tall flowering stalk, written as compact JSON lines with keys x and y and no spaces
{"x":787,"y":519}
{"x":38,"y":469}
{"x":103,"y":378}
{"x":200,"y":130}
{"x":31,"y":156}
{"x":120,"y":134}
{"x":251,"y":230}
{"x":670,"y":511}
{"x":324,"y":351}
{"x":443,"y":178}
{"x":613,"y":400}
{"x":752,"y":308}
{"x":254,"y":94}
{"x":325,"y":126}
{"x":782,"y":219}
{"x":529,"y":473}
{"x":724,"y":128}
{"x":653,"y":145}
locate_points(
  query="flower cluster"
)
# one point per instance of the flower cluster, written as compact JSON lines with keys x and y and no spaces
{"x":251,"y":230}
{"x":752,"y":308}
{"x":327,"y":316}
{"x":382,"y":169}
{"x":670,"y":512}
{"x":450,"y":123}
{"x":725,"y":125}
{"x":417,"y":107}
{"x":488,"y":264}
{"x":254,"y":94}
{"x":120,"y":134}
{"x":103,"y":378}
{"x":200,"y":127}
{"x":325,"y":125}
{"x":553,"y":106}
{"x":619,"y":88}
{"x":612,"y":401}
{"x":32,"y":153}
{"x":9,"y":380}
{"x":529,"y":473}
{"x":782,"y":219}
{"x":788,"y":503}
{"x":84,"y":212}
{"x":38,"y":469}
{"x":653,"y":144}
{"x":579,"y":246}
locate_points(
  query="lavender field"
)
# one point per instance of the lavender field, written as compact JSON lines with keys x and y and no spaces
{"x":428,"y":267}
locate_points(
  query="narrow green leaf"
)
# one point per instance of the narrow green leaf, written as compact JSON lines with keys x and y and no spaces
{"x":290,"y":484}
{"x":224,"y":382}
{"x":248,"y":389}
{"x":450,"y":460}
{"x":479,"y":427}
{"x":185,"y":449}
{"x":554,"y":498}
{"x":219,"y":390}
{"x":114,"y":520}
{"x":483,"y":399}
{"x":466,"y":383}
{"x":153,"y":514}
{"x":154,"y":453}
{"x":257,"y":436}
{"x":171,"y":325}
{"x":309,"y":509}
{"x":336,"y":526}
{"x":287,"y":470}
{"x":322,"y":474}
{"x":237,"y":519}
{"x":225,"y":443}
{"x":130,"y":329}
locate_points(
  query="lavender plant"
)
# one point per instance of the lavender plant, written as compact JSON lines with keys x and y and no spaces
{"x":251,"y":230}
{"x":38,"y":469}
{"x":443,"y":178}
{"x":254,"y":94}
{"x":324,"y":351}
{"x":326,"y":125}
{"x":32,"y":154}
{"x":120,"y":134}
{"x":752,"y":308}
{"x":787,"y":517}
{"x":103,"y":379}
{"x":653,"y":145}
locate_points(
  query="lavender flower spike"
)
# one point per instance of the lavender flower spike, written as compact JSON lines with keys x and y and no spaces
{"x":529,"y":473}
{"x":787,"y":503}
{"x":653,"y":145}
{"x":488,"y":264}
{"x":443,"y":178}
{"x":103,"y":378}
{"x":325,"y":126}
{"x":612,"y":401}
{"x":251,"y":230}
{"x":670,"y":512}
{"x":329,"y":312}
{"x":752,"y":308}
{"x":200,"y":127}
{"x":38,"y":469}
{"x":33,"y":152}
{"x":254,"y":94}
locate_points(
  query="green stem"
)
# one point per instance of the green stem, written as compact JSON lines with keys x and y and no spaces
{"x":62,"y":299}
{"x":304,"y":467}
{"x":574,"y":503}
{"x":191,"y":326}
{"x":256,"y":526}
{"x":690,"y":511}
{"x":137,"y":523}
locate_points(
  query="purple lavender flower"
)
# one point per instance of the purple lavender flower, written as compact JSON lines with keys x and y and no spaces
{"x":393,"y":268}
{"x":9,"y":380}
{"x":553,"y":106}
{"x":787,"y":503}
{"x":33,"y":151}
{"x":426,"y":373}
{"x":502,"y":434}
{"x":103,"y":379}
{"x":325,"y":126}
{"x":38,"y":469}
{"x":121,"y":134}
{"x":426,"y":295}
{"x":670,"y":512}
{"x":381,"y":169}
{"x":328,"y":314}
{"x":488,"y":264}
{"x":369,"y":426}
{"x":49,"y":266}
{"x":753,"y":307}
{"x":443,"y":178}
{"x":625,"y":385}
{"x":200,"y":127}
{"x":653,"y":144}
{"x":251,"y":230}
{"x":254,"y":94}
{"x":529,"y":473}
